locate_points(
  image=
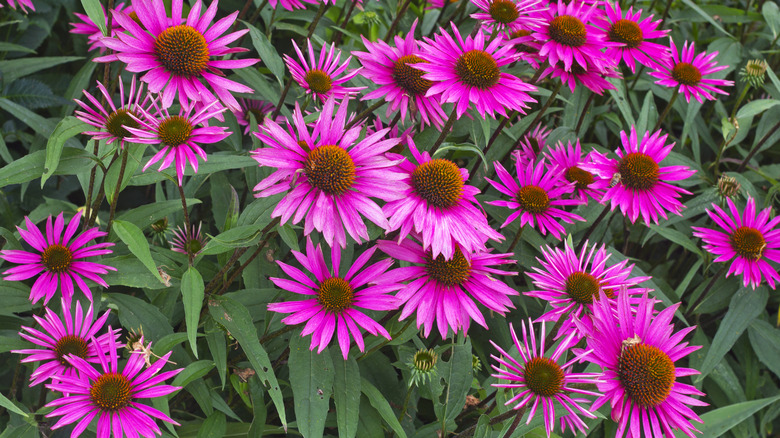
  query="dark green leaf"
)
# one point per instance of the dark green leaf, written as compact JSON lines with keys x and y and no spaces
{"x":721,"y":420}
{"x":457,"y":373}
{"x":267,"y":52}
{"x":192,"y":294}
{"x":135,"y":240}
{"x":192,"y":372}
{"x":135,"y":313}
{"x":311,"y":378}
{"x":17,"y":68}
{"x":8,"y":404}
{"x":148,"y":214}
{"x":95,"y":13}
{"x":766,"y":343}
{"x":346,"y":394}
{"x":67,"y":128}
{"x":380,"y":403}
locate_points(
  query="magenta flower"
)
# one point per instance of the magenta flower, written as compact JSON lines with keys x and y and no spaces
{"x":637,"y":351}
{"x":260,"y":109}
{"x":536,"y":196}
{"x":642,"y":188}
{"x":750,"y":238}
{"x":572,"y":282}
{"x":187,"y":244}
{"x":329,"y":176}
{"x":689,"y":73}
{"x":400,"y":84}
{"x":509,"y":15}
{"x":111,"y":395}
{"x":94,"y":34}
{"x":57,"y":258}
{"x":540,"y":381}
{"x":446,"y":290}
{"x":532,"y":145}
{"x":592,"y":77}
{"x":568,"y":161}
{"x":439,"y":206}
{"x":77,"y":335}
{"x":177,"y":53}
{"x":22,"y":4}
{"x":633,"y":34}
{"x":468,"y":71}
{"x":320,"y":76}
{"x":113,"y":125}
{"x":180,"y":136}
{"x":334,"y":300}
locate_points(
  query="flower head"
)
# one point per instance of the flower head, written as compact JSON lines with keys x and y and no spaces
{"x":689,"y":73}
{"x":753,"y":72}
{"x":749,"y":237}
{"x":111,"y":395}
{"x":569,"y":162}
{"x":329,"y":175}
{"x":335,"y":300}
{"x":632,"y":34}
{"x":188,"y":244}
{"x":93,"y":32}
{"x":536,"y":197}
{"x":642,"y":187}
{"x":509,"y":15}
{"x":178,"y":52}
{"x":592,"y":77}
{"x":320,"y":76}
{"x":72,"y":334}
{"x":444,"y":291}
{"x":469,"y":71}
{"x":532,"y":145}
{"x":57,"y":258}
{"x":439,"y":206}
{"x":400,"y":84}
{"x":259,"y":109}
{"x":541,"y":381}
{"x":637,"y":352}
{"x":423,"y":367}
{"x":180,"y":136}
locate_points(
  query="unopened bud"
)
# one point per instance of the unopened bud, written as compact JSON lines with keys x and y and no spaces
{"x":754,"y":72}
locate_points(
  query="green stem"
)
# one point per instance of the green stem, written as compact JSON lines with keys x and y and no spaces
{"x":713,"y":280}
{"x":115,"y":199}
{"x":336,"y":34}
{"x":187,"y":225}
{"x":757,"y":147}
{"x":406,"y":402}
{"x":515,"y":423}
{"x":536,"y":119}
{"x":386,"y":341}
{"x":667,"y":109}
{"x":584,"y":113}
{"x":516,"y":239}
{"x":365,"y":113}
{"x":445,"y":130}
{"x":398,"y":16}
{"x":593,"y":226}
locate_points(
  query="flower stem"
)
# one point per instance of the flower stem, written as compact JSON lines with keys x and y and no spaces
{"x":598,"y":220}
{"x":493,"y":138}
{"x":387,"y":341}
{"x":518,"y":416}
{"x":667,"y":109}
{"x":445,"y":130}
{"x":713,"y":280}
{"x":757,"y":147}
{"x":584,"y":112}
{"x":187,"y":226}
{"x":116,"y":191}
{"x":516,"y":239}
{"x":398,"y":16}
{"x":365,"y":113}
{"x":336,"y":34}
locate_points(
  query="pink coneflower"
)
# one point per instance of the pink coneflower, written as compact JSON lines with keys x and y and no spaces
{"x":446,"y":290}
{"x":73,"y":334}
{"x":633,"y":34}
{"x":569,"y":37}
{"x":536,"y":195}
{"x":320,"y":76}
{"x":192,"y":244}
{"x":113,"y":125}
{"x":750,"y":238}
{"x":335,"y":300}
{"x":329,"y":175}
{"x":177,"y":53}
{"x":637,"y":351}
{"x":509,"y":15}
{"x":94,"y":34}
{"x":439,"y":206}
{"x":532,"y":145}
{"x":592,"y":77}
{"x":22,"y":4}
{"x":467,"y":71}
{"x":525,"y":45}
{"x":572,"y":282}
{"x":642,"y":187}
{"x":540,"y":381}
{"x":260,"y":109}
{"x":180,"y":135}
{"x":400,"y":84}
{"x":688,"y":73}
{"x":568,"y":161}
{"x":112,"y":395}
{"x":57,"y":258}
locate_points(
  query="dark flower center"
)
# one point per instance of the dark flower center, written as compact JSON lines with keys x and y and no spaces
{"x":174,"y":131}
{"x":424,"y":360}
{"x":259,"y":115}
{"x":193,"y":246}
{"x":582,"y":287}
{"x":116,"y":121}
{"x":686,"y":73}
{"x":568,"y":30}
{"x":319,"y":81}
{"x":57,"y":258}
{"x":182,"y":50}
{"x":626,"y":32}
{"x":451,"y":272}
{"x":330,"y":169}
{"x":438,"y":182}
{"x":748,"y":242}
{"x":503,"y":11}
{"x":110,"y":392}
{"x":543,"y":376}
{"x":477,"y":68}
{"x":335,"y":294}
{"x":522,"y":47}
{"x":410,"y":78}
{"x":646,"y":374}
{"x":70,"y":345}
{"x":581,"y":178}
{"x":533,"y":199}
{"x":638,"y":171}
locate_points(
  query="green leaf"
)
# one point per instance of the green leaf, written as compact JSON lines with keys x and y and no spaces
{"x":192,"y":294}
{"x":648,"y":114}
{"x":215,"y":425}
{"x":465,"y":147}
{"x":8,"y":404}
{"x":745,"y":306}
{"x":17,"y":68}
{"x":675,"y":236}
{"x":311,"y":378}
{"x":215,"y":163}
{"x":148,"y":214}
{"x":765,"y":340}
{"x":380,"y":403}
{"x":771,"y":13}
{"x":135,"y":155}
{"x":289,"y":236}
{"x":622,"y":102}
{"x":30,"y":167}
{"x":267,"y":52}
{"x":77,"y":84}
{"x":192,"y":372}
{"x":706,"y":16}
{"x":136,"y":242}
{"x":215,"y":338}
{"x":130,"y":272}
{"x":721,"y":420}
{"x":236,"y":319}
{"x":37,"y":123}
{"x":11,"y":47}
{"x":483,"y":427}
{"x":95,"y":13}
{"x":136,"y":313}
{"x":457,"y":373}
{"x":346,"y":394}
{"x":32,"y":94}
{"x":67,"y":128}
{"x":756,"y":107}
